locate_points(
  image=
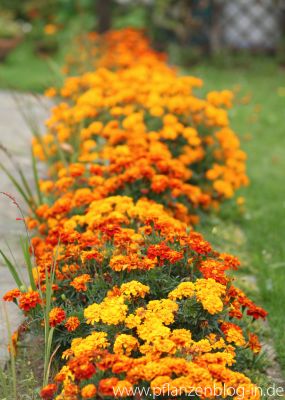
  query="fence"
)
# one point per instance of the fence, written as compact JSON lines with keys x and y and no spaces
{"x":237,"y":24}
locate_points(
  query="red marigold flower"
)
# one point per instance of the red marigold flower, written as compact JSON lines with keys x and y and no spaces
{"x":29,"y":300}
{"x":56,"y":316}
{"x":254,"y":343}
{"x":107,"y":385}
{"x":48,"y":391}
{"x":164,"y":252}
{"x":256,"y":312}
{"x":72,"y":324}
{"x":11,"y":295}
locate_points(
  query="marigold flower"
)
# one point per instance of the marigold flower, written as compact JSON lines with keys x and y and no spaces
{"x":72,"y":323}
{"x":11,"y":295}
{"x":254,"y":343}
{"x":209,"y":293}
{"x":88,"y":391}
{"x":233,"y":333}
{"x":79,"y":283}
{"x":125,"y":344}
{"x":132,"y":126}
{"x":29,"y":300}
{"x":82,"y":367}
{"x":123,"y":388}
{"x":56,"y":316}
{"x":48,"y":391}
{"x":106,"y":386}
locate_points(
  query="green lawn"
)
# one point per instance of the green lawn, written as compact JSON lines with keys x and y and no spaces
{"x":25,"y":71}
{"x":261,"y":126}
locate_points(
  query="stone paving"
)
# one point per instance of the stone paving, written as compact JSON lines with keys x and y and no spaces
{"x":15,"y":135}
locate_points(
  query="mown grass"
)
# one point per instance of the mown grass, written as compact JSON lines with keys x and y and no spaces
{"x":260,"y":122}
{"x":24,"y":70}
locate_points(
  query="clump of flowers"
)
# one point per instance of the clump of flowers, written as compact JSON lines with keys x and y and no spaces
{"x":139,"y":298}
{"x":142,"y":129}
{"x":137,"y":287}
{"x":115,"y":49}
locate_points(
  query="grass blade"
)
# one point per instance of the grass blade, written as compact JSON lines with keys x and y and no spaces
{"x":28,"y":260}
{"x":13,"y":361}
{"x":36,"y":178}
{"x":17,"y":185}
{"x":12,"y":270}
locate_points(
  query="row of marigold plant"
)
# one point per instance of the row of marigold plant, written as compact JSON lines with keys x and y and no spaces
{"x":139,"y":298}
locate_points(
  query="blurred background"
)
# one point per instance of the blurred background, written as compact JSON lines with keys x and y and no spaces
{"x":36,"y":35}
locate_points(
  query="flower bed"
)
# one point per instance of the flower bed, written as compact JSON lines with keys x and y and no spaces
{"x":135,"y":297}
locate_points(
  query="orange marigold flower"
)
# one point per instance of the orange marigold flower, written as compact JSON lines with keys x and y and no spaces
{"x":79,"y":283}
{"x":14,"y":340}
{"x":51,"y":92}
{"x":71,"y":390}
{"x":82,"y":368}
{"x":72,"y":324}
{"x":233,"y":333}
{"x":48,"y":391}
{"x":11,"y":295}
{"x":123,"y":388}
{"x":50,"y":29}
{"x":76,"y":169}
{"x":56,"y":316}
{"x":159,"y":183}
{"x":88,"y":391}
{"x":254,"y":343}
{"x":29,"y":300}
{"x":106,"y":386}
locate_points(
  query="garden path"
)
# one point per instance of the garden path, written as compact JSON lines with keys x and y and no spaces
{"x":15,"y":135}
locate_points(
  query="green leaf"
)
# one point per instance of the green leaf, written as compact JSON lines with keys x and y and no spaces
{"x":12,"y":270}
{"x":36,"y":178}
{"x":28,"y":260}
{"x":17,"y":185}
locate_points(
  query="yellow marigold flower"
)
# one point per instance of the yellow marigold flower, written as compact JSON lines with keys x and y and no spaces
{"x":111,"y":311}
{"x":209,"y":293}
{"x":132,"y":321}
{"x":151,"y":329}
{"x":125,"y":344}
{"x":95,"y":341}
{"x":223,"y":188}
{"x":185,"y":289}
{"x":181,"y":337}
{"x":160,"y":384}
{"x":162,"y":309}
{"x":134,"y":289}
{"x":203,"y":346}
